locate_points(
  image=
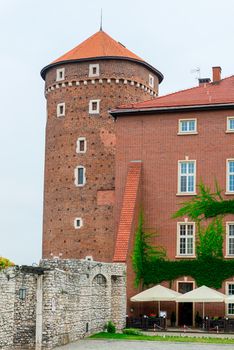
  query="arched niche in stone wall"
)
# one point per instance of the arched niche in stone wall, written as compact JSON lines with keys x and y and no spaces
{"x":101,"y":302}
{"x":99,"y":280}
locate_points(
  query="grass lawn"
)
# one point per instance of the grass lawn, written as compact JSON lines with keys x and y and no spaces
{"x":182,"y":339}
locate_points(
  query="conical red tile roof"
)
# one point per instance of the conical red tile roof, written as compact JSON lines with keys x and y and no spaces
{"x":99,"y":44}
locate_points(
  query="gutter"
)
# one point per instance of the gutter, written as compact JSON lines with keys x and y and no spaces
{"x":56,"y":64}
{"x":131,"y":111}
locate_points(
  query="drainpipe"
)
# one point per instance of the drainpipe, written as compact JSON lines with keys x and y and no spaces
{"x":39,"y":313}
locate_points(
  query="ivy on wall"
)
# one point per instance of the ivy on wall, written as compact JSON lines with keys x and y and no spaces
{"x":209,"y":268}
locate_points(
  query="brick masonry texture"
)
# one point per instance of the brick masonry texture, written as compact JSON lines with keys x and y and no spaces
{"x":153,"y":139}
{"x":63,"y":201}
{"x":129,"y":212}
{"x":74,"y":303}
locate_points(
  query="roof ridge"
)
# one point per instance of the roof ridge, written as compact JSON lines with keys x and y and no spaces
{"x":189,"y":89}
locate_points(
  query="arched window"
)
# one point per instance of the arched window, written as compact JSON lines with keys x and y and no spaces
{"x":99,"y":279}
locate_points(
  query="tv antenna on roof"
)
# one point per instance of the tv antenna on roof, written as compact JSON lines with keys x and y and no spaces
{"x":196,"y":71}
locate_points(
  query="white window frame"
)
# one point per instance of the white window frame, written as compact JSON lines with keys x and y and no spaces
{"x":77,"y":177}
{"x":187,"y":193}
{"x":59,"y":114}
{"x":94,"y":111}
{"x":186,"y":255}
{"x":58,"y":72}
{"x":91,"y":66}
{"x":227,"y":293}
{"x":75,"y":223}
{"x":78,"y":145}
{"x":181,"y":132}
{"x":227,"y":176}
{"x":228,"y":125}
{"x":228,"y":255}
{"x":151,"y":81}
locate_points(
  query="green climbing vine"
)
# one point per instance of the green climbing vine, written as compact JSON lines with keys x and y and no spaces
{"x":144,"y":252}
{"x":207,"y":210}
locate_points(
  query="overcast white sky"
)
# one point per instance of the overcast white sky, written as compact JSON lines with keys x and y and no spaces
{"x":175,"y":36}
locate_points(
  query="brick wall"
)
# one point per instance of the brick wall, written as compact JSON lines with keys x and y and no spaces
{"x":63,"y":201}
{"x":154,"y":140}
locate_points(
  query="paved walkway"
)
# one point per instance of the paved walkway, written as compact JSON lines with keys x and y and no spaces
{"x":90,"y":344}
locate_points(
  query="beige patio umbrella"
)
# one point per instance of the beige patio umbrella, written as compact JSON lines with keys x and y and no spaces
{"x":157,"y":293}
{"x":202,"y":295}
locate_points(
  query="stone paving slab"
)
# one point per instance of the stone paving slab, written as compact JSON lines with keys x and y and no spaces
{"x":90,"y":344}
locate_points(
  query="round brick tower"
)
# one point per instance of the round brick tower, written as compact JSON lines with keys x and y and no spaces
{"x":80,"y":88}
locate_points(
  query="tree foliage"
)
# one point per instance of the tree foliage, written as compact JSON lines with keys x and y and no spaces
{"x":5,"y":263}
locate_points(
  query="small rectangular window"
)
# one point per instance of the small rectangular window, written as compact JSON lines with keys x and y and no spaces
{"x":151,"y":81}
{"x":230,"y":124}
{"x":187,"y":126}
{"x":81,"y":145}
{"x":93,"y":70}
{"x":61,"y":109}
{"x":94,"y":106}
{"x":60,"y":74}
{"x":78,"y":223}
{"x":187,"y":177}
{"x":186,"y":239}
{"x":230,"y":175}
{"x":80,"y":176}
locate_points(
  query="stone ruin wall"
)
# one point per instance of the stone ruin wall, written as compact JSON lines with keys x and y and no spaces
{"x":78,"y":298}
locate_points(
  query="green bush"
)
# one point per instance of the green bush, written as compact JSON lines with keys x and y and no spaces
{"x":131,"y":331}
{"x":110,"y":327}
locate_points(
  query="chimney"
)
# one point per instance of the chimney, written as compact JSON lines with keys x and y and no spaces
{"x":216,"y":74}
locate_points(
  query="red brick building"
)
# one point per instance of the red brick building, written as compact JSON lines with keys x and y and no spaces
{"x":100,"y":167}
{"x":165,"y":147}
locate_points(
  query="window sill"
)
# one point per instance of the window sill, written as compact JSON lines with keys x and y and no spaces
{"x":229,"y":131}
{"x":185,"y":256}
{"x":187,"y":194}
{"x":229,"y":193}
{"x":79,"y":185}
{"x":229,"y":256}
{"x":187,"y":133}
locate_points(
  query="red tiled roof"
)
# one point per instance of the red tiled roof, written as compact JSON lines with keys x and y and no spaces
{"x":128,"y":212}
{"x":221,"y":92}
{"x":99,"y":44}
